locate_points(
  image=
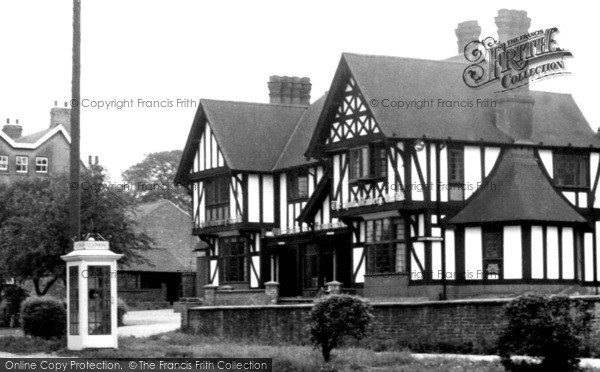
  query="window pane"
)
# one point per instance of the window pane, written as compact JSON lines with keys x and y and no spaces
{"x":369,"y":231}
{"x":386,"y":249}
{"x":303,"y":186}
{"x":378,"y":232}
{"x":571,"y":170}
{"x":99,"y":305}
{"x":364,"y":172}
{"x":355,"y":163}
{"x":233,"y":259}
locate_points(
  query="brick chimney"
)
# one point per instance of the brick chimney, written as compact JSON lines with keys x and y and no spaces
{"x":514,"y":109}
{"x":512,"y":23}
{"x":60,"y":115}
{"x":465,"y":33}
{"x":12,"y":130}
{"x":289,"y":90}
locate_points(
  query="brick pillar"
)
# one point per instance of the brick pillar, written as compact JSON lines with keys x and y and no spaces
{"x":272,"y":292}
{"x":202,"y":270}
{"x":210,"y":293}
{"x":334,"y":287}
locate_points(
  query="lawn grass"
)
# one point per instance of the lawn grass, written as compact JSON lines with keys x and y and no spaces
{"x":286,"y":358}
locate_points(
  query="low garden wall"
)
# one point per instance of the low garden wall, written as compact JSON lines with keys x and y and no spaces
{"x":468,"y":326}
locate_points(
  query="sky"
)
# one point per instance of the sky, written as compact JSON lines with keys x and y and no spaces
{"x":159,"y":50}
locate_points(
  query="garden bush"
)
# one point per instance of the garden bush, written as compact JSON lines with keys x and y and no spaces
{"x":550,"y":328}
{"x":122,"y":309}
{"x":44,"y":317}
{"x":336,"y":316}
{"x":10,"y":306}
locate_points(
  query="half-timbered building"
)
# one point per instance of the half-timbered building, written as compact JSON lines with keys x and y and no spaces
{"x":412,"y":184}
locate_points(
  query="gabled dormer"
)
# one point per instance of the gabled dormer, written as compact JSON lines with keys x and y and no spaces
{"x":227,"y":163}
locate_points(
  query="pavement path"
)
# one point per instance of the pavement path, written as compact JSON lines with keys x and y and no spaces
{"x":149,"y":322}
{"x":585,"y":362}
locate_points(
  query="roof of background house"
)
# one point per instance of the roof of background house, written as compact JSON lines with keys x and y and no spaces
{"x":157,"y":259}
{"x":172,"y":251}
{"x":517,"y":190}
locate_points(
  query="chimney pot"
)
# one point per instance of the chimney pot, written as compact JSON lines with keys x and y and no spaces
{"x":55,"y":103}
{"x":512,"y":23}
{"x":286,"y":90}
{"x":274,"y":85}
{"x":13,"y":130}
{"x":465,"y":33}
{"x":289,"y":90}
{"x":296,"y":87}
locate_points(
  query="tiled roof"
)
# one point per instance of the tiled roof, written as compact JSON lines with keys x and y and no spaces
{"x":394,"y":78}
{"x":33,"y":137}
{"x":252,"y":135}
{"x":517,"y":191}
{"x":293,"y":153}
{"x":557,"y":121}
{"x":157,"y":259}
{"x":169,"y":227}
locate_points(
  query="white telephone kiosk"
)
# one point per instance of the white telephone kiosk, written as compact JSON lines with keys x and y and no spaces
{"x":91,"y":294}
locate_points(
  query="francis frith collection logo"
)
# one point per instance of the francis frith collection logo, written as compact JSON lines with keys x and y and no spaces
{"x":516,"y":62}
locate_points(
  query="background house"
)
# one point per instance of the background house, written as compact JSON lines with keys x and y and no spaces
{"x":168,"y":271}
{"x":37,"y":154}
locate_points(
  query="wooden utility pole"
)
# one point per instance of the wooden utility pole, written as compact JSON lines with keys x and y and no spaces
{"x":75,"y":195}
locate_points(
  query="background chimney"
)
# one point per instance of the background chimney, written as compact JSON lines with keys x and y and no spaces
{"x":511,"y":23}
{"x":12,"y":130}
{"x":60,"y":116}
{"x":465,"y":33}
{"x":289,"y":90}
{"x":514,"y":109}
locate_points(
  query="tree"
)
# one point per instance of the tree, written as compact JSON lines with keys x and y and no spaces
{"x":34,"y":225}
{"x":152,"y":179}
{"x":336,"y":316}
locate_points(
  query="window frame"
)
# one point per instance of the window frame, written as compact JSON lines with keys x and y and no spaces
{"x":216,"y":198}
{"x":4,"y":163}
{"x":576,"y":157}
{"x":389,"y":244}
{"x":19,"y":157}
{"x":226,"y":258}
{"x":47,"y":165}
{"x":488,"y":234}
{"x":294,"y":191}
{"x":374,"y":167}
{"x":456,"y":185}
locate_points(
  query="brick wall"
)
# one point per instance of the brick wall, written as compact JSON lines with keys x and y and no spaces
{"x":460,"y":325}
{"x":229,"y":297}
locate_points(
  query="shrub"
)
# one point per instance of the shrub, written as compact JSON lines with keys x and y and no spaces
{"x":11,"y":305}
{"x":551,"y":328}
{"x":122,"y":309}
{"x":335,"y":316}
{"x":44,"y":317}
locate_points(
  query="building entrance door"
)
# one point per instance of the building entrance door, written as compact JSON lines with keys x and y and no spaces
{"x":288,"y":272}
